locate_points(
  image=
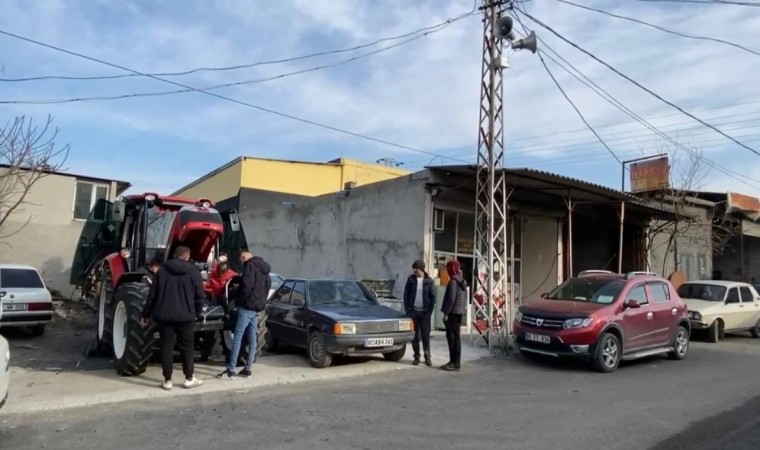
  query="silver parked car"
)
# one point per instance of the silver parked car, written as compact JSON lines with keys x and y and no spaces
{"x":25,"y":298}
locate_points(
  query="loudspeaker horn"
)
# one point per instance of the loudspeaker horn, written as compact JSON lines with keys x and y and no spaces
{"x":529,"y":43}
{"x":503,"y":28}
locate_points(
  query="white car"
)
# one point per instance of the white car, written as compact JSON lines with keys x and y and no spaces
{"x":722,"y":307}
{"x":25,"y":298}
{"x":5,"y":367}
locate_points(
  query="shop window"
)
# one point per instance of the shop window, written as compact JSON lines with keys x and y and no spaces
{"x":445,"y":240}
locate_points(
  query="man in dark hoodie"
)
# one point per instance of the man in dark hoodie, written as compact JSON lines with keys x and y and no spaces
{"x":252,"y":296}
{"x":174,"y":302}
{"x":419,"y":303}
{"x":453,"y":308}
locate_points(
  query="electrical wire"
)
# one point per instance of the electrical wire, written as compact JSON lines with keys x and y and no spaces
{"x":639,"y":85}
{"x":225,"y":85}
{"x":704,"y":2}
{"x":248,"y":65}
{"x":657,"y":27}
{"x":711,"y":163}
{"x":580,"y":114}
{"x":222,"y":97}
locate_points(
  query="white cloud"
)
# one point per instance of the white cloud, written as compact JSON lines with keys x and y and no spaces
{"x":424,"y":94}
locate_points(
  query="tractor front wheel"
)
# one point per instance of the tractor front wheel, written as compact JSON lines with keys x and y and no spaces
{"x":132,"y":343}
{"x":105,"y":312}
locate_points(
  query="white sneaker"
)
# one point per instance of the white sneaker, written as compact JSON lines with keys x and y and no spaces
{"x":167,"y":385}
{"x":189,"y":384}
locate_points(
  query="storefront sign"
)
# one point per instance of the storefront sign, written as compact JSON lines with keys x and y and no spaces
{"x":743,"y":204}
{"x":650,"y":175}
{"x":464,"y":245}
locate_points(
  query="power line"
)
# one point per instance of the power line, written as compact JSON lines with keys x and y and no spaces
{"x":559,"y":86}
{"x":248,"y":65}
{"x":639,"y":85}
{"x":704,"y":2}
{"x":222,"y":97}
{"x":233,"y":84}
{"x":657,"y":27}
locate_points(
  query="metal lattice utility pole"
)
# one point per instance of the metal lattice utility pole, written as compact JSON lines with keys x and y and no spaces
{"x":490,"y":203}
{"x":495,"y":277}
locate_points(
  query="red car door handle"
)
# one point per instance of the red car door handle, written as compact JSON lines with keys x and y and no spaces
{"x":650,"y":315}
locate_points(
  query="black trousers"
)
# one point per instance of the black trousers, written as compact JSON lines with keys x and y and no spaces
{"x":453,"y":326}
{"x":421,"y":321}
{"x":182,"y":335}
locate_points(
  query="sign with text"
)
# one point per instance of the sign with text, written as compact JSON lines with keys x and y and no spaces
{"x":650,"y":175}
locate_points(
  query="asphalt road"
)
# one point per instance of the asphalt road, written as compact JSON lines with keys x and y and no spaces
{"x":708,"y":401}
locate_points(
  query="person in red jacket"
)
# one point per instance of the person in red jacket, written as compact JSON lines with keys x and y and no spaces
{"x":219,"y":278}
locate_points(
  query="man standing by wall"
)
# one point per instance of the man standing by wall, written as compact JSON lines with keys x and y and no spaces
{"x":419,"y":303}
{"x":252,"y":297}
{"x":175,"y":301}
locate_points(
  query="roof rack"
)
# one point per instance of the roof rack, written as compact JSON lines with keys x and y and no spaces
{"x":630,"y":275}
{"x":586,"y":273}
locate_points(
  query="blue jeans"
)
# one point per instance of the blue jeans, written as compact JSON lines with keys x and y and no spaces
{"x":247,"y":325}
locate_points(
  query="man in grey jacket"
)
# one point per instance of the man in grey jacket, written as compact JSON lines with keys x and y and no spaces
{"x":453,"y":308}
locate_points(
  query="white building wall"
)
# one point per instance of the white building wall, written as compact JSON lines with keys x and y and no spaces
{"x":375,"y":233}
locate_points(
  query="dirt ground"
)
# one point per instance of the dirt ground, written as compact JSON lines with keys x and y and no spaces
{"x":62,"y":346}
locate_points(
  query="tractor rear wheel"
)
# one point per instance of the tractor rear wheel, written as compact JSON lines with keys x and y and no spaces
{"x":105,"y":312}
{"x":132,"y":343}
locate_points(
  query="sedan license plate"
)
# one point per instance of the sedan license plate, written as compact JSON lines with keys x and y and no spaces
{"x":538,"y":338}
{"x":378,"y":342}
{"x":14,"y":307}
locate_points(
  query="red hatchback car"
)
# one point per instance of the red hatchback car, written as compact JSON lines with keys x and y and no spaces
{"x":605,"y":317}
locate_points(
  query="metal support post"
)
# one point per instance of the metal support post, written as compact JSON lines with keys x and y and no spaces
{"x":490,"y":204}
{"x":620,"y":244}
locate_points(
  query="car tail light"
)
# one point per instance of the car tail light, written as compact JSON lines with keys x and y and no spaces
{"x":40,"y":307}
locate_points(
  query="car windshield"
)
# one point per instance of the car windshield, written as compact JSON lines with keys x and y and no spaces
{"x":702,"y":291}
{"x":325,"y":292}
{"x":20,"y":279}
{"x":594,"y":290}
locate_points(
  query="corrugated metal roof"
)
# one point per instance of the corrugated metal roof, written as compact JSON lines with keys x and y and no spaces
{"x":538,"y":179}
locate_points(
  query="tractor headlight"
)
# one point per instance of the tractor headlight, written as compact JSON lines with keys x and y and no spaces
{"x":577,"y":323}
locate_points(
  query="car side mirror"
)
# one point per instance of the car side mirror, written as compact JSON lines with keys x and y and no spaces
{"x":633,"y":304}
{"x":118,"y":212}
{"x":544,"y":295}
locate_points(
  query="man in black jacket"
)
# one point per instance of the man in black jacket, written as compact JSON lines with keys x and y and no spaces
{"x":419,"y":303}
{"x":174,"y":302}
{"x":252,"y":296}
{"x":454,"y":307}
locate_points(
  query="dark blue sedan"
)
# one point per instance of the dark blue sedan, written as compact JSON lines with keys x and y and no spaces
{"x":331,"y":317}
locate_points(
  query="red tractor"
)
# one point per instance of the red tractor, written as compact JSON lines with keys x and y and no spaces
{"x":147,"y":227}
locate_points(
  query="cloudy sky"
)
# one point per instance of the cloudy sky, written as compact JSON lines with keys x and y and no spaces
{"x":422,"y":94}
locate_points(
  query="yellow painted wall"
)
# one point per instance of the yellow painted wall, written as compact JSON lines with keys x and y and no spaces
{"x":291,"y":177}
{"x":220,"y":186}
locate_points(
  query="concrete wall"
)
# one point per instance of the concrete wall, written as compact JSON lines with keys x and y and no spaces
{"x":540,"y":256}
{"x":49,"y":239}
{"x":730,"y":262}
{"x":374,"y":233}
{"x":694,"y":246}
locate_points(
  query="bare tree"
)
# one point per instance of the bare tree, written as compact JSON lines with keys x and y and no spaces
{"x":688,"y":176}
{"x":28,"y":153}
